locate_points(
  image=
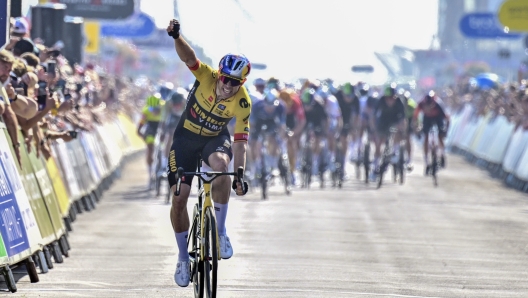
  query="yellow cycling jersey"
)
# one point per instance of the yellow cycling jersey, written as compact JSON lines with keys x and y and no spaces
{"x":205,"y":116}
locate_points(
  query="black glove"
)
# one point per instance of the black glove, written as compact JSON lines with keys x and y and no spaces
{"x":175,"y":33}
{"x":244,"y":187}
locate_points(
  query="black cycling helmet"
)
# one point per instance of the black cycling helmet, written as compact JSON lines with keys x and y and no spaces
{"x":364,"y":90}
{"x":178,"y":96}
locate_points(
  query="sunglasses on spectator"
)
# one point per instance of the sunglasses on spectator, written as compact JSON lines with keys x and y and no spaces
{"x":234,"y":82}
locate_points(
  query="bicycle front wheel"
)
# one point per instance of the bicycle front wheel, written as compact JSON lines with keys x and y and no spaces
{"x":210,"y":246}
{"x":197,"y":276}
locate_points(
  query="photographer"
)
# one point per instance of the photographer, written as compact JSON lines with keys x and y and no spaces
{"x":23,"y":81}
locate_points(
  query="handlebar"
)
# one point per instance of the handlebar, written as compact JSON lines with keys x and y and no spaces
{"x":181,"y":173}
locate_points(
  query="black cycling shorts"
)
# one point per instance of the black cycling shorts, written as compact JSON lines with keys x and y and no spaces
{"x":429,"y":122}
{"x":185,"y":152}
{"x":383,"y":126}
{"x":257,"y":128}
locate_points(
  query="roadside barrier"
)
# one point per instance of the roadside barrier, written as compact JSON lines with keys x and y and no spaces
{"x":491,"y":142}
{"x":40,"y":199}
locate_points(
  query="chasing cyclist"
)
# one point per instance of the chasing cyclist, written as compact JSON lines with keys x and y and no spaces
{"x":389,"y":112}
{"x":433,"y":115}
{"x":150,"y":119}
{"x":174,"y":108}
{"x":216,"y":97}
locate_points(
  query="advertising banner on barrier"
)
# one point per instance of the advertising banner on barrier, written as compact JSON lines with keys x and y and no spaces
{"x":58,"y":186}
{"x":91,"y":158}
{"x":46,"y":189}
{"x":35,"y":197}
{"x":11,"y":223}
{"x":81,"y":167}
{"x":66,"y":166}
{"x":12,"y":226}
{"x":131,"y":132}
{"x":13,"y":173}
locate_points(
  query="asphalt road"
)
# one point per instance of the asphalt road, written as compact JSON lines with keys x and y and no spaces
{"x":465,"y":238}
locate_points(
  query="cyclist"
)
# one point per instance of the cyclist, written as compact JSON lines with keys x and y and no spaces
{"x":316,"y":122}
{"x":150,"y":120}
{"x":335,"y":121}
{"x":174,"y":108}
{"x":268,"y":114}
{"x":295,"y":122}
{"x":166,"y":89}
{"x":258,"y":93}
{"x":389,"y":112}
{"x":410,"y":107}
{"x":216,"y":97}
{"x":256,"y":96}
{"x":349,"y":106}
{"x":433,"y":114}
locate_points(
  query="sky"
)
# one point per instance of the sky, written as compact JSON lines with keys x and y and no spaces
{"x":294,"y":38}
{"x":304,"y":38}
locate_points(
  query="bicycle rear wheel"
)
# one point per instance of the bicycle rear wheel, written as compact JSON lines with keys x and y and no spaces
{"x":401,"y":166}
{"x":210,"y":246}
{"x":434,"y":167}
{"x":381,"y":172}
{"x":366,"y":162}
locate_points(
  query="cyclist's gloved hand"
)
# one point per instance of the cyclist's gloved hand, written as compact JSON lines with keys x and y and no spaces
{"x":237,"y":187}
{"x":174,"y":29}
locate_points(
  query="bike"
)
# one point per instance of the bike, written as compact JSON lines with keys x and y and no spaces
{"x":386,"y":158}
{"x":433,"y":149}
{"x":266,"y":163}
{"x":203,"y":242}
{"x":160,"y":170}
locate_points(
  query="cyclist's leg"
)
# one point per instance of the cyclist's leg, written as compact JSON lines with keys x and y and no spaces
{"x":149,"y":140}
{"x":408,"y":145}
{"x":427,"y":124}
{"x":217,"y":154}
{"x":442,"y":132}
{"x":185,"y":157}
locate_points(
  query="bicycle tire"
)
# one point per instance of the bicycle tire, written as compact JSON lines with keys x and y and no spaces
{"x":197,"y":278}
{"x":401,"y":167}
{"x":381,"y":172}
{"x":210,"y":245}
{"x":434,"y":166}
{"x":263,"y":178}
{"x":366,"y":162}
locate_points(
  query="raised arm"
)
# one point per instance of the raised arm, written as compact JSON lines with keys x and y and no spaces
{"x":183,"y":49}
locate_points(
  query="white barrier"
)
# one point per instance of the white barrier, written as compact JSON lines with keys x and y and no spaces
{"x":494,"y":142}
{"x":515,"y":150}
{"x":503,"y":132}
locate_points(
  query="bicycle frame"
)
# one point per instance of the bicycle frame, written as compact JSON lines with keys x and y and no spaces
{"x":204,"y":195}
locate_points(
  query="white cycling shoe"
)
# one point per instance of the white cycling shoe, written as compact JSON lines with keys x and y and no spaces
{"x":182,"y":274}
{"x":226,"y":250}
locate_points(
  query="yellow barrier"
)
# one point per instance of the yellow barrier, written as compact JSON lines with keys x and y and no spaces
{"x":58,"y":186}
{"x":131,"y":132}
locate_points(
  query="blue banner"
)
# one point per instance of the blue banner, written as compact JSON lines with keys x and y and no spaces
{"x":11,"y":223}
{"x":137,"y":26}
{"x":483,"y":25}
{"x":4,"y":22}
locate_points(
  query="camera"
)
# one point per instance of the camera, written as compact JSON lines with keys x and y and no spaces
{"x":42,"y":95}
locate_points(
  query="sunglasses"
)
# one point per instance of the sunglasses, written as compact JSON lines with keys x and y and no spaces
{"x":234,"y":82}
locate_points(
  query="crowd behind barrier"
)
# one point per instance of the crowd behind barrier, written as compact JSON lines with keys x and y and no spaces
{"x":65,"y":131}
{"x":490,"y":127}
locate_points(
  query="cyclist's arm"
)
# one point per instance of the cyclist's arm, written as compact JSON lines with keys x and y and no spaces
{"x":241,"y":134}
{"x":185,"y":52}
{"x":141,"y":123}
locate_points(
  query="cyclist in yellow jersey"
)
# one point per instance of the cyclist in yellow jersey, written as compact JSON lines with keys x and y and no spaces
{"x":151,"y":116}
{"x":216,"y":97}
